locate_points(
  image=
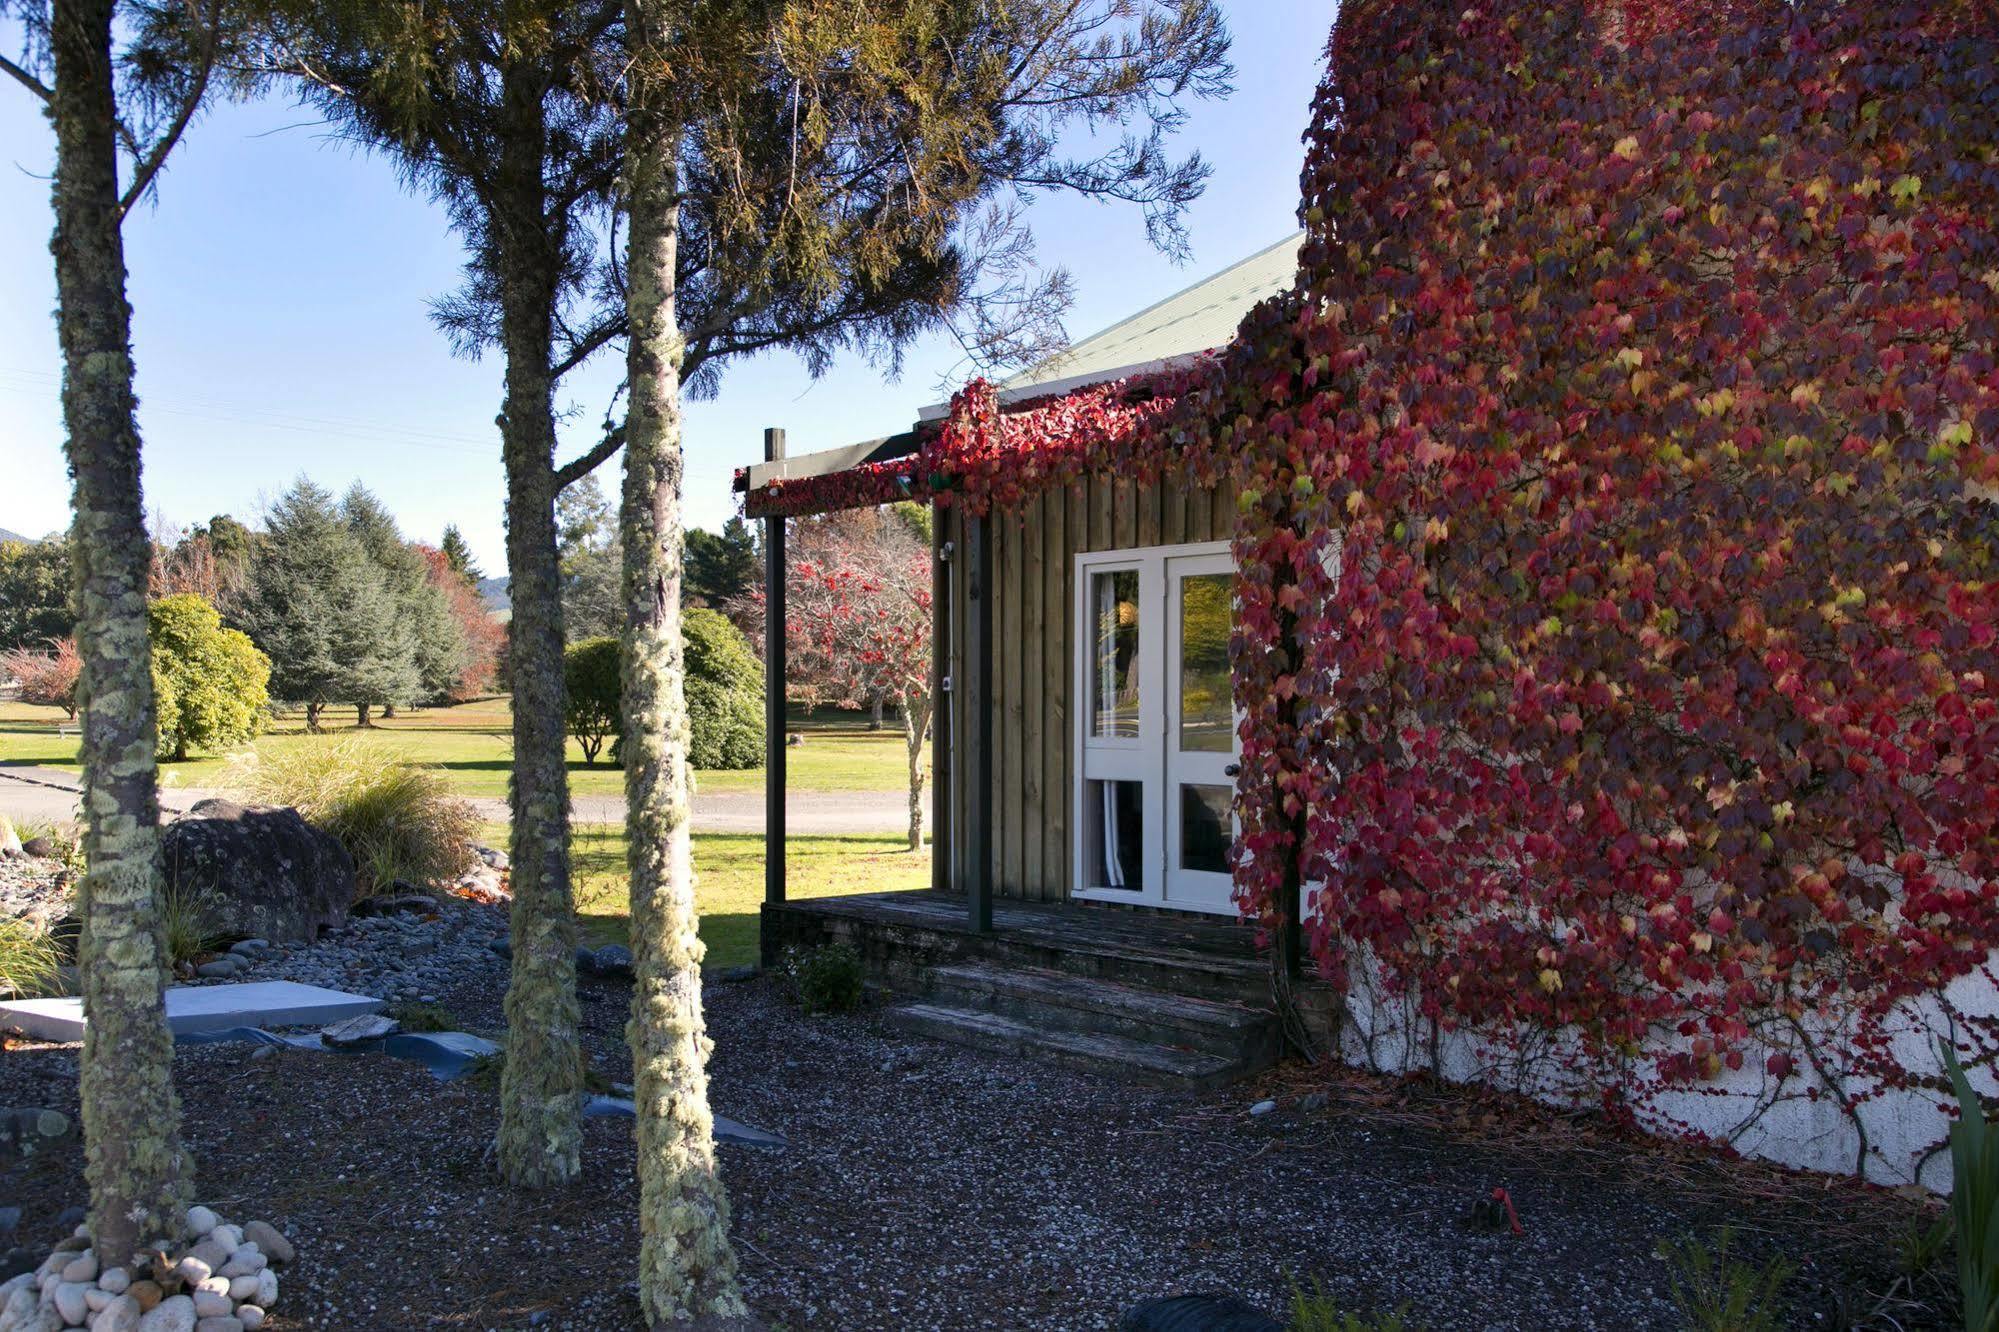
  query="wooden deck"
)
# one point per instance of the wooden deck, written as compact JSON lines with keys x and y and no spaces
{"x":902,"y":933}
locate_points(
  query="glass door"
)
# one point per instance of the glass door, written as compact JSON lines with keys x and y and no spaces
{"x":1155,"y":734}
{"x":1118,"y":792}
{"x":1200,"y":741}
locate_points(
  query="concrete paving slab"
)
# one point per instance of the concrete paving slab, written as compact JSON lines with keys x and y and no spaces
{"x":198,"y":1008}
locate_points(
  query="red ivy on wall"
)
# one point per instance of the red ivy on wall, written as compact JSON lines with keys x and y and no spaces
{"x":1618,"y":625}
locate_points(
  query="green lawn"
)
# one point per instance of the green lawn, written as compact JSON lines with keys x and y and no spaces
{"x":729,"y":881}
{"x":472,"y":744}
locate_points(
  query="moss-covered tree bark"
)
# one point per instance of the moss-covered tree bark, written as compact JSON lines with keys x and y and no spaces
{"x":134,"y":1162}
{"x":687,"y":1269}
{"x":541,"y":1132}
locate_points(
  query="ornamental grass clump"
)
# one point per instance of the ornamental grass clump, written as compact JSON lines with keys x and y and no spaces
{"x":30,"y":961}
{"x":398,"y":819}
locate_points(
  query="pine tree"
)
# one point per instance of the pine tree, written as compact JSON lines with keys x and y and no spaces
{"x":425,"y":650}
{"x":587,"y":532}
{"x":826,"y":165}
{"x":458,"y":553}
{"x":507,"y":115}
{"x":319,"y":608}
{"x":136,"y":1169}
{"x":722,"y":570}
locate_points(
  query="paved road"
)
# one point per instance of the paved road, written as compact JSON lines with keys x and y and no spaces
{"x":39,"y":794}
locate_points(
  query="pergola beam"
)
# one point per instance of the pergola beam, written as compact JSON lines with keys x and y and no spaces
{"x":774,"y":676}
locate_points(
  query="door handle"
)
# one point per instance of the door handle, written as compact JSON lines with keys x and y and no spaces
{"x":1233,"y":770}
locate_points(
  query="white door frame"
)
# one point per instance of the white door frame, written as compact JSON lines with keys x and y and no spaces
{"x":1144,"y":758}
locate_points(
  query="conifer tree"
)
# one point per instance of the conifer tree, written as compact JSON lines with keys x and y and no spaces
{"x":506,"y":114}
{"x":320,"y":609}
{"x":816,"y":175}
{"x":424,"y":650}
{"x":458,"y":554}
{"x":99,"y":99}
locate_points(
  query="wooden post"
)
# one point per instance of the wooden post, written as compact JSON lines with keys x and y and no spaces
{"x":774,"y":733}
{"x":941,"y":667}
{"x":978,"y":771}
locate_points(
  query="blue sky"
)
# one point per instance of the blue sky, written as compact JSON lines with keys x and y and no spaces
{"x":280,"y":283}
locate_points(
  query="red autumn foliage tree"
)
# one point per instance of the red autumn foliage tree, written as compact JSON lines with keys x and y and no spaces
{"x":47,"y":679}
{"x":1617,"y":596}
{"x":858,"y":622}
{"x":485,"y":637}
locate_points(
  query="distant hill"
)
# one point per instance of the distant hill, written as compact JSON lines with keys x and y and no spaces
{"x":5,"y":535}
{"x":494,"y":591}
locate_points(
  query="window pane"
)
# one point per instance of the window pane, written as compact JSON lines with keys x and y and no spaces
{"x":1114,"y":692}
{"x":1205,"y":831}
{"x":1117,"y":842}
{"x":1207,"y":722}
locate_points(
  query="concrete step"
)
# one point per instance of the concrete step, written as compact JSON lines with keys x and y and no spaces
{"x":1219,"y":976}
{"x":1060,"y":1001}
{"x":1096,"y":1052}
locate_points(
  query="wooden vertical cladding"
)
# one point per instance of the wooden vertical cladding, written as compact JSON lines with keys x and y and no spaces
{"x":1035,"y":545}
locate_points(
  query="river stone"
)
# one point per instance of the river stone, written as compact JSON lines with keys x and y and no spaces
{"x":358,"y":1030}
{"x":266,"y":1237}
{"x":82,"y":1268}
{"x":220,"y":1323}
{"x":121,"y":1315}
{"x":259,"y":872}
{"x":243,"y":1287}
{"x":244,"y":1261}
{"x":212,"y":1253}
{"x":173,"y":1314}
{"x":250,"y":1316}
{"x":267,"y":1287}
{"x":70,"y":1303}
{"x":201,"y":1220}
{"x":18,"y":1307}
{"x":1197,"y":1313}
{"x":209,"y":1303}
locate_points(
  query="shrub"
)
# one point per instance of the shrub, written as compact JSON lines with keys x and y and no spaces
{"x":724,"y":688}
{"x":1716,"y":1292}
{"x":30,"y":961}
{"x":397,"y":819}
{"x":827,"y":978}
{"x":725,"y":684}
{"x":593,"y":695}
{"x":46,"y":678}
{"x":211,"y":682}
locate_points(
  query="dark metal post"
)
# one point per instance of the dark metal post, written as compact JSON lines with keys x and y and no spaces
{"x":774,"y":733}
{"x":941,"y":667}
{"x":978,"y":669}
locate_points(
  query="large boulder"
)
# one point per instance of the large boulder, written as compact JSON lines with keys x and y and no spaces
{"x":255,"y":872}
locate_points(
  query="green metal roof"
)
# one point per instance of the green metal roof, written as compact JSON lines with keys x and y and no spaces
{"x":1201,"y":317}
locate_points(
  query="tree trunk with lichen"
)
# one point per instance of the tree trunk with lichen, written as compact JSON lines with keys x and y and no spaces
{"x":541,"y":1085}
{"x":687,"y":1269}
{"x":131,"y":1119}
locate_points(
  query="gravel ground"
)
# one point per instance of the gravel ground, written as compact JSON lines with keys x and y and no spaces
{"x":929,"y":1186}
